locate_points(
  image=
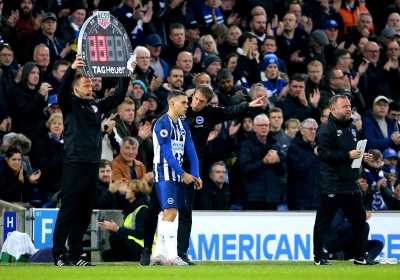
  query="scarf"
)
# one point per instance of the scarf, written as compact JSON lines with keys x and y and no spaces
{"x":55,"y":140}
{"x":273,"y":90}
{"x":207,"y":13}
{"x":377,"y":200}
{"x":75,"y":27}
{"x":138,"y":30}
{"x":243,"y":82}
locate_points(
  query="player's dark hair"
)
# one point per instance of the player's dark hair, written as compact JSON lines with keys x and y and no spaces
{"x":174,"y":93}
{"x":206,"y":90}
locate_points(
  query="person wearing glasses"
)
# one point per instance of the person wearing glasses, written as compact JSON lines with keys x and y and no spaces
{"x":143,"y":70}
{"x":335,"y":80}
{"x":303,"y":168}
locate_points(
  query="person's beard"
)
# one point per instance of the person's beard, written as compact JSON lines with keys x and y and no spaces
{"x":342,"y":117}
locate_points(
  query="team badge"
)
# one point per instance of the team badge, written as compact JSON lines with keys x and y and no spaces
{"x":200,"y":120}
{"x":354,"y":132}
{"x":163,"y":133}
{"x":339,"y":132}
{"x":183,"y":132}
{"x":95,"y":108}
{"x":170,"y":200}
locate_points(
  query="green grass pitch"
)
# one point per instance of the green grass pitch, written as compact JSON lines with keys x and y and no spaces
{"x":246,"y":270}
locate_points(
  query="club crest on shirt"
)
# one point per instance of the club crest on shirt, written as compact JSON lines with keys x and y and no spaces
{"x":354,"y":132}
{"x":95,"y":108}
{"x":183,"y":132}
{"x":163,"y":133}
{"x":199,"y":120}
{"x":170,"y":200}
{"x":339,"y":132}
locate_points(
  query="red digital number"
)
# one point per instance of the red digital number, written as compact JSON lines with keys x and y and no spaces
{"x":93,"y":53}
{"x":102,"y":48}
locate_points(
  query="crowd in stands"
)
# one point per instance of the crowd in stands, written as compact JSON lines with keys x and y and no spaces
{"x":296,"y":53}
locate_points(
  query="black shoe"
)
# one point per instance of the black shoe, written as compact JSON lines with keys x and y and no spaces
{"x":145,"y":257}
{"x":365,"y":260}
{"x":62,"y":261}
{"x":321,"y":261}
{"x":81,"y":262}
{"x":186,"y":259}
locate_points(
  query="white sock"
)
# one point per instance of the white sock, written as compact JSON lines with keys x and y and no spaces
{"x":170,"y":234}
{"x":160,"y":242}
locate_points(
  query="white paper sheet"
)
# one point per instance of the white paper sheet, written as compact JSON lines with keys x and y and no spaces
{"x":360,"y":146}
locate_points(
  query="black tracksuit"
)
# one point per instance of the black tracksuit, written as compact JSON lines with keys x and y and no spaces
{"x":82,"y":154}
{"x":338,"y":183}
{"x":200,"y":124}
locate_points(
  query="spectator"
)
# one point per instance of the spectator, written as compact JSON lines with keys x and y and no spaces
{"x":192,"y":36}
{"x":215,"y":193}
{"x":303,"y":169}
{"x":219,"y":33}
{"x":317,"y":43}
{"x":375,"y":179}
{"x":127,"y":241}
{"x":208,"y":45}
{"x":295,"y":104}
{"x":170,"y":51}
{"x":41,"y":55}
{"x":143,"y":70}
{"x":331,"y":31}
{"x":29,"y":99}
{"x":58,"y":71}
{"x":211,"y":14}
{"x":153,"y":44}
{"x":261,"y":164}
{"x":201,"y":78}
{"x":394,"y":112}
{"x":339,"y":237}
{"x":174,"y":81}
{"x":292,"y":126}
{"x":269,"y":44}
{"x":97,"y":83}
{"x":380,"y":130}
{"x":15,"y":185}
{"x":258,"y":90}
{"x":109,"y":193}
{"x":270,"y":77}
{"x":325,"y":114}
{"x":21,"y":142}
{"x":185,"y":61}
{"x":363,"y":28}
{"x":391,"y":199}
{"x":27,"y":25}
{"x":258,"y":27}
{"x":138,"y":89}
{"x":390,"y":157}
{"x":226,"y":88}
{"x":49,"y":157}
{"x":391,"y":171}
{"x":58,"y":48}
{"x":231,"y":43}
{"x":393,"y":21}
{"x":350,"y":11}
{"x":8,"y":30}
{"x":125,"y":166}
{"x":9,"y":78}
{"x":314,"y":80}
{"x":212,"y":64}
{"x":127,"y":126}
{"x":358,"y":52}
{"x":387,"y":36}
{"x":381,"y":78}
{"x":149,"y":111}
{"x":69,"y":30}
{"x":335,"y":80}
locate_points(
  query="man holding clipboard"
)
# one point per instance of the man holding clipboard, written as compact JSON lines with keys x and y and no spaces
{"x":337,"y":149}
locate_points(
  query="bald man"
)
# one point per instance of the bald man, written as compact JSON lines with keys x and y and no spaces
{"x":185,"y":61}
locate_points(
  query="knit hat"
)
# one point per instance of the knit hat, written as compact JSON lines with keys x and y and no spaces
{"x":270,"y":58}
{"x":139,"y":82}
{"x":388,"y":168}
{"x":210,"y":59}
{"x":320,"y":37}
{"x":77,"y":6}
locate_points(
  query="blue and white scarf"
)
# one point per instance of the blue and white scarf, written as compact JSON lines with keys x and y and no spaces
{"x":377,"y":200}
{"x":243,"y":82}
{"x":61,"y":141}
{"x":76,"y":27}
{"x":207,"y":13}
{"x":273,"y":90}
{"x":138,"y":30}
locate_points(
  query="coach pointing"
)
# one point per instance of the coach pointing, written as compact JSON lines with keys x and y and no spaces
{"x":82,"y":152}
{"x":337,"y":141}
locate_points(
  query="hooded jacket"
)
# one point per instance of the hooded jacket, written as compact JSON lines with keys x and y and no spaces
{"x":163,"y":94}
{"x":12,"y":140}
{"x":28,"y":104}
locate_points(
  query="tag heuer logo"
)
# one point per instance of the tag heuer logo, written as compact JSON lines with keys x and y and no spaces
{"x":103,"y":19}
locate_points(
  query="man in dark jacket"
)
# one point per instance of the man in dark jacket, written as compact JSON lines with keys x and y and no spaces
{"x":227,"y":89}
{"x":215,"y":193}
{"x":201,"y":118}
{"x":303,"y":169}
{"x":9,"y":78}
{"x":261,"y":164}
{"x":82,"y":151}
{"x":337,"y":148}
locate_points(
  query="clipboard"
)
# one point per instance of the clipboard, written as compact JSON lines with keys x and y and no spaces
{"x":360,"y":146}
